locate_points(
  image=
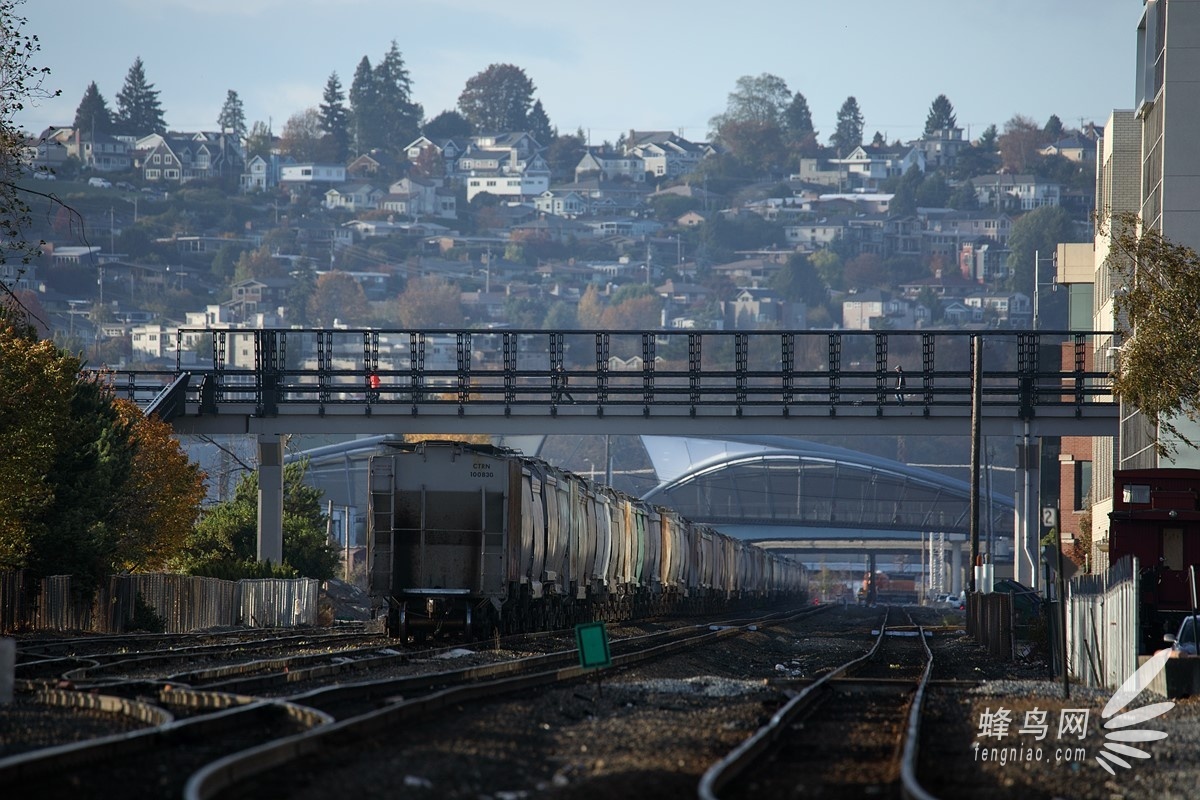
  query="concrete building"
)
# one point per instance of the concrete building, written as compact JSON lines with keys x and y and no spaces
{"x":1118,"y":189}
{"x":1168,"y":109}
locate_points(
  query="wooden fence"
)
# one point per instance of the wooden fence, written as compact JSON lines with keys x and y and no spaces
{"x":990,"y":621}
{"x":183,"y":603}
{"x":1102,"y":625}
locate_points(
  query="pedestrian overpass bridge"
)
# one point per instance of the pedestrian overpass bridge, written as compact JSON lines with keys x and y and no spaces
{"x":275,"y":382}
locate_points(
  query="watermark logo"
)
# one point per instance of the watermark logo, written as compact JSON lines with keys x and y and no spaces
{"x":1071,"y":727}
{"x":1117,"y":741}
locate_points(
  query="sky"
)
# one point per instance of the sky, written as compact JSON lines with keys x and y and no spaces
{"x":605,"y":68}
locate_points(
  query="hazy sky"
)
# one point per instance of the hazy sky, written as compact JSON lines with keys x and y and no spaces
{"x":606,"y":67}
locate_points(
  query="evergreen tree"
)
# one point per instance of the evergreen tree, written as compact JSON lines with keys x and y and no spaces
{"x":225,"y":541}
{"x":539,"y":125}
{"x":232,"y":117}
{"x":138,"y":109}
{"x":849,"y":133}
{"x":989,"y":138}
{"x":93,"y":115}
{"x":941,"y":116}
{"x":1054,"y":129}
{"x":364,"y":109}
{"x":334,"y":119}
{"x":398,"y":116}
{"x":798,"y":119}
{"x":497,"y":99}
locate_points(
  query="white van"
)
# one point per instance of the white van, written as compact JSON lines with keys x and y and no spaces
{"x":99,"y":183}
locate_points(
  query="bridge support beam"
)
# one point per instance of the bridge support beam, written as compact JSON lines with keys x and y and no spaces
{"x":270,"y":498}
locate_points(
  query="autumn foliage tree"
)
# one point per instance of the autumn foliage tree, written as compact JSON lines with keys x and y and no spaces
{"x":1158,"y":317}
{"x":89,"y":486}
{"x":162,"y":496}
{"x":337,"y":296}
{"x":430,"y":302}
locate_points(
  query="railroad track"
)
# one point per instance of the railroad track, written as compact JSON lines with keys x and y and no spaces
{"x":247,"y":735}
{"x":851,"y":733}
{"x":105,"y":667}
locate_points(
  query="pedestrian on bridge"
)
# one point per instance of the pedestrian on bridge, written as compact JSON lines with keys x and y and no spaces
{"x":559,"y":381}
{"x":900,"y":384}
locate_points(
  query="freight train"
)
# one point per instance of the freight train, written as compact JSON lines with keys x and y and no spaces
{"x":1156,"y":518}
{"x":480,"y":539}
{"x":889,"y":588}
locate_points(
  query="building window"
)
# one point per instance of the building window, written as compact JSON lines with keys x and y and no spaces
{"x":1083,"y":484}
{"x":157,"y":158}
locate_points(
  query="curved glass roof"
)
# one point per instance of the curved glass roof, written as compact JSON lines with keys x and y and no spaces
{"x":791,"y":483}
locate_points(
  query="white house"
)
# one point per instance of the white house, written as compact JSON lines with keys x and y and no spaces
{"x":312,"y":173}
{"x":353,"y":197}
{"x":1023,"y":192}
{"x":609,"y":166}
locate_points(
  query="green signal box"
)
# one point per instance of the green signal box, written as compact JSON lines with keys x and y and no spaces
{"x":592,"y":640}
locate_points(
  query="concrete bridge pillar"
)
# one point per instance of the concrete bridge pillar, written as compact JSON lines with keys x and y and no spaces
{"x":1025,"y":524}
{"x":956,"y":567}
{"x":270,"y":498}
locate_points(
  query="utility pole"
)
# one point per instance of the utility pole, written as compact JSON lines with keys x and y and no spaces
{"x":976,"y":437}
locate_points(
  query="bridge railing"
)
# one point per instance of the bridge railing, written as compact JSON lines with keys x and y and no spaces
{"x":741,"y":369}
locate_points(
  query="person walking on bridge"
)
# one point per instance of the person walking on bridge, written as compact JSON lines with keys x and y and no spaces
{"x":900,"y":384}
{"x":559,"y":382}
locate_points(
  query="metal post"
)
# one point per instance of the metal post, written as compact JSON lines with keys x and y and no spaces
{"x":1037,"y":280}
{"x":976,"y":436}
{"x":1062,"y":614}
{"x":270,"y":498}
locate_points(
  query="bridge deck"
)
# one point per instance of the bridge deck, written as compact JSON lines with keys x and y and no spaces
{"x":802,"y":382}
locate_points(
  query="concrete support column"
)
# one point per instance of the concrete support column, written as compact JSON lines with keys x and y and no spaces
{"x":956,"y":567}
{"x":1026,"y":522}
{"x":270,"y":498}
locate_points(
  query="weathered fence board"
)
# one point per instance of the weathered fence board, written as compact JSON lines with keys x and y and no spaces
{"x":183,"y":603}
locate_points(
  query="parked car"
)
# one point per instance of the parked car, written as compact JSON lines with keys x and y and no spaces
{"x":126,"y":185}
{"x":100,"y":183}
{"x":43,"y":175}
{"x":1184,"y":642}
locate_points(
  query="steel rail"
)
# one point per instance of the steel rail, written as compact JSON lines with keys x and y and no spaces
{"x":909,"y":785}
{"x":720,"y":774}
{"x":226,"y":772}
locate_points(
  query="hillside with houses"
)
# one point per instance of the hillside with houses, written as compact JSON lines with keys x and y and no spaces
{"x":149,"y":232}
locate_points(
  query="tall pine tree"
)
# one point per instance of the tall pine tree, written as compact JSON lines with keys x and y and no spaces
{"x":399,"y":116}
{"x":334,"y":120}
{"x":93,"y":115}
{"x":941,"y":116}
{"x":364,"y":109}
{"x":233,"y":116}
{"x":138,"y":110}
{"x":539,"y":125}
{"x":799,"y":120}
{"x":849,"y":132}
